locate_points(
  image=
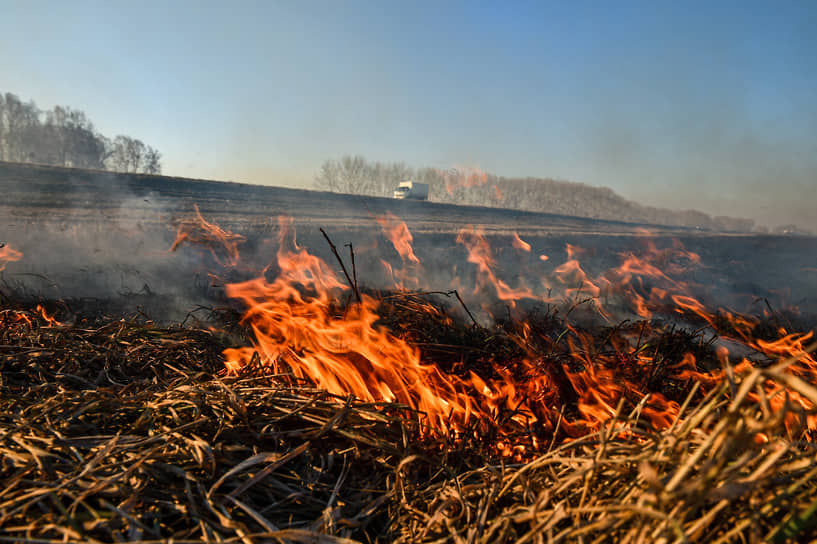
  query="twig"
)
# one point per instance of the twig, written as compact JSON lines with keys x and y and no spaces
{"x":444,"y":293}
{"x":408,"y":294}
{"x":352,"y":284}
{"x":354,"y":268}
{"x":465,"y":308}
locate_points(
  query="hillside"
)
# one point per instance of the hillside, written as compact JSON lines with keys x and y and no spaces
{"x":579,"y":199}
{"x":473,"y":187}
{"x":59,"y":193}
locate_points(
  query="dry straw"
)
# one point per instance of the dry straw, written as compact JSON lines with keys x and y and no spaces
{"x":127,"y":432}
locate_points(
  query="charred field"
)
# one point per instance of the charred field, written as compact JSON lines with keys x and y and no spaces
{"x":190,"y":360}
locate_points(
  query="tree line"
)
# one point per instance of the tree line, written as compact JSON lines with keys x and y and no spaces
{"x":64,"y":136}
{"x":356,"y":175}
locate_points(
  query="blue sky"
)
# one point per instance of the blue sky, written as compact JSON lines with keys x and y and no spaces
{"x":707,"y":105}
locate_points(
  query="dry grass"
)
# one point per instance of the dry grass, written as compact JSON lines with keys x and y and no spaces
{"x":126,"y":432}
{"x":706,"y":479}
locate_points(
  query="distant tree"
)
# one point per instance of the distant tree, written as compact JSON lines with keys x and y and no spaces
{"x":353,"y":174}
{"x":66,"y":137}
{"x":386,"y":176}
{"x":152,"y":161}
{"x":126,"y":154}
{"x":328,"y":178}
{"x":347,"y":175}
{"x":18,"y":119}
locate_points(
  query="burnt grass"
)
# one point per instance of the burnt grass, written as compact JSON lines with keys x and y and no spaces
{"x":115,"y":429}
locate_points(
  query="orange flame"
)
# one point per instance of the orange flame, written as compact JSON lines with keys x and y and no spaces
{"x":50,"y":320}
{"x":200,"y":232}
{"x":480,"y":254}
{"x":399,"y":235}
{"x":7,"y":255}
{"x":520,"y":244}
{"x":299,"y":330}
{"x":571,"y":274}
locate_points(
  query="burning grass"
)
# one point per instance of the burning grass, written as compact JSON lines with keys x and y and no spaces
{"x":119,"y":430}
{"x":128,"y":432}
{"x":398,"y":415}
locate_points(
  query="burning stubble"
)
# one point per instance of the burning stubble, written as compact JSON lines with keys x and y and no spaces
{"x":539,"y":400}
{"x":300,"y":330}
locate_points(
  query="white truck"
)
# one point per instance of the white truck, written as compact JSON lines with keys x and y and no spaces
{"x":411,"y":190}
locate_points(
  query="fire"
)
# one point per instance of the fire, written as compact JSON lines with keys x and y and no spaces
{"x":645,"y":281}
{"x":302,"y":333}
{"x":480,"y":254}
{"x":398,"y":234}
{"x":7,"y":255}
{"x":793,"y":350}
{"x":200,"y":232}
{"x":50,"y":320}
{"x":520,"y":244}
{"x":297,"y":329}
{"x":576,"y":280}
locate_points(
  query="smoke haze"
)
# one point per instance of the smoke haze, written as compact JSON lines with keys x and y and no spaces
{"x":108,"y":237}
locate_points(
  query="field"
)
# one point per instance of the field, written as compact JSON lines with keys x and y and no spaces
{"x":473,"y":375}
{"x":82,"y":229}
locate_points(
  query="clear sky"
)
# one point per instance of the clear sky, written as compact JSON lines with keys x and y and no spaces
{"x":707,"y":105}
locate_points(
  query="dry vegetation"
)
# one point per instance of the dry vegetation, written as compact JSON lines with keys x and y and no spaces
{"x":116,"y":430}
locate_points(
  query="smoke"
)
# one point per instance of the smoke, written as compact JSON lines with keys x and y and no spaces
{"x":83,"y":242}
{"x":109,"y":239}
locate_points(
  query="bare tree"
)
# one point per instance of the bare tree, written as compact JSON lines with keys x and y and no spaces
{"x":65,"y":136}
{"x":18,"y":118}
{"x":136,"y":153}
{"x":329,"y":177}
{"x":116,"y":158}
{"x":152,"y":161}
{"x":352,"y":174}
{"x":344,"y":176}
{"x":126,"y":154}
{"x":69,"y":139}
